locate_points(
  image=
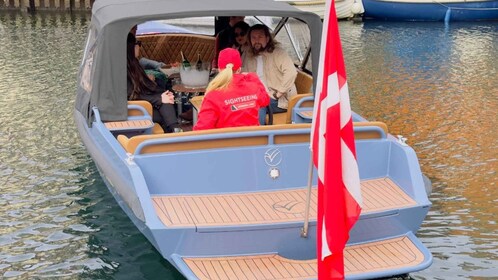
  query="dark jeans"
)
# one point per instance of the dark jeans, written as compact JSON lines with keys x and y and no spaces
{"x":166,"y":117}
{"x":275,"y":109}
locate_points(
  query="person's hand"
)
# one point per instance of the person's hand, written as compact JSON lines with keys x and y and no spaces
{"x":151,"y":77}
{"x":167,"y":97}
{"x":278,"y":94}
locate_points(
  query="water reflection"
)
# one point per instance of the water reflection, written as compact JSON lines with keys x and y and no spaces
{"x":435,"y":85}
{"x":57,"y":218}
{"x":438,"y":85}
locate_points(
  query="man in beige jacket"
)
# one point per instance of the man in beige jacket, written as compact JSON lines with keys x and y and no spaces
{"x":273,"y":66}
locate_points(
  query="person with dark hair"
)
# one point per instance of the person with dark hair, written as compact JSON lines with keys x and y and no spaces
{"x":232,"y":98}
{"x":141,"y":87}
{"x":146,"y":63}
{"x":225,"y":38}
{"x":241,"y":42}
{"x":273,"y":66}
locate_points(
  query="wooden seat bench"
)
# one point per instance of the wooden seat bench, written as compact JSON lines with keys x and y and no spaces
{"x":266,"y":207}
{"x":246,"y":136}
{"x":139,"y":120}
{"x":129,"y":125}
{"x":167,"y":47}
{"x":188,"y":141}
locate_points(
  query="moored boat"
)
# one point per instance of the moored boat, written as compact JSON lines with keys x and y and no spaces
{"x":428,"y":10}
{"x":230,"y":202}
{"x":345,"y":9}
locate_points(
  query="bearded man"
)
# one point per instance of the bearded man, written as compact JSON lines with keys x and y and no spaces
{"x":274,"y":67}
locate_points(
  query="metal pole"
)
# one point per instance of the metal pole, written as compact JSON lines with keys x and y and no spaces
{"x":304,"y":230}
{"x":32,"y":6}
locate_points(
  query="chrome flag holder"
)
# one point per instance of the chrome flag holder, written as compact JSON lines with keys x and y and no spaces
{"x":304,"y":230}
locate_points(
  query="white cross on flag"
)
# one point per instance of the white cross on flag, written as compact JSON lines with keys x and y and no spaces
{"x":334,"y":154}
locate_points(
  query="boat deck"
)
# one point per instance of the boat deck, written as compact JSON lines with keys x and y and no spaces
{"x":267,"y":207}
{"x":390,"y":254}
{"x":129,"y":125}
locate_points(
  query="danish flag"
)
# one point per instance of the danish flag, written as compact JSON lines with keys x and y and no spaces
{"x":334,"y":154}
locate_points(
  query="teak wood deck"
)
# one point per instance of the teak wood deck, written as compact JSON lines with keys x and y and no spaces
{"x":266,"y":207}
{"x":382,"y":255}
{"x":129,"y":125}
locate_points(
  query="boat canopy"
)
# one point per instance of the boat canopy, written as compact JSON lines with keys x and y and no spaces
{"x":102,"y":77}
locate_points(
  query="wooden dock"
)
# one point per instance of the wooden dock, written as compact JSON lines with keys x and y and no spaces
{"x":46,"y":5}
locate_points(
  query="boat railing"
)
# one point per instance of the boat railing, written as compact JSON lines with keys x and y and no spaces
{"x":217,"y":138}
{"x":236,"y":138}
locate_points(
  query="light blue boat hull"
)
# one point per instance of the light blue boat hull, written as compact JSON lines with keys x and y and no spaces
{"x":134,"y":184}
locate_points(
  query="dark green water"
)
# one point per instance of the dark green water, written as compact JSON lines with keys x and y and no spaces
{"x":436,"y":85}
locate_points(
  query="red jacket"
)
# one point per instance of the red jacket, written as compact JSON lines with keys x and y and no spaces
{"x":237,"y":105}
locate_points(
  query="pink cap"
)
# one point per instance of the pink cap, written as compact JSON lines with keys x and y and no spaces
{"x":227,"y":56}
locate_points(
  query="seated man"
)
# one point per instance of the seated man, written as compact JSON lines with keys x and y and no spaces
{"x":231,"y":99}
{"x":273,"y":66}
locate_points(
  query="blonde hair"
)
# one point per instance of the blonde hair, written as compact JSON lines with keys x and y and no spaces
{"x":222,"y":80}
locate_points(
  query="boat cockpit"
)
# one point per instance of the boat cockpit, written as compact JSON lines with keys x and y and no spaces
{"x":172,"y":41}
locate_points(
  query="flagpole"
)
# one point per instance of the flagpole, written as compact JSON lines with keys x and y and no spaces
{"x":304,"y":230}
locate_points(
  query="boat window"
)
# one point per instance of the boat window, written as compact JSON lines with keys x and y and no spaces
{"x":87,"y":65}
{"x":196,"y":25}
{"x":271,"y":22}
{"x":293,"y":34}
{"x":295,"y":38}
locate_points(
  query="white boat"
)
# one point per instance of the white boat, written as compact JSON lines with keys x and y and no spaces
{"x":229,"y":203}
{"x":345,"y":9}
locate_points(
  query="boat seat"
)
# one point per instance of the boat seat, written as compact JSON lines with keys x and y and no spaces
{"x":167,"y":47}
{"x":157,"y":129}
{"x":158,"y":143}
{"x":269,"y":207}
{"x":132,"y":127}
{"x":303,"y":82}
{"x":153,"y":144}
{"x":139,"y":120}
{"x":304,"y":86}
{"x":392,"y":254}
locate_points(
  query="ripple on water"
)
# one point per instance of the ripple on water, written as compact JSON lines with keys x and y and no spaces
{"x":435,"y":84}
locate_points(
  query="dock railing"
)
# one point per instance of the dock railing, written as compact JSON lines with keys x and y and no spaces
{"x":47,"y":5}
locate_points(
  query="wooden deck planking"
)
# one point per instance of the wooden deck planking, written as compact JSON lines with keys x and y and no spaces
{"x":266,"y":207}
{"x":369,"y":257}
{"x":131,"y":124}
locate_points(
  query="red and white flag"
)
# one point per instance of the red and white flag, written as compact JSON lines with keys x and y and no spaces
{"x":334,"y":154}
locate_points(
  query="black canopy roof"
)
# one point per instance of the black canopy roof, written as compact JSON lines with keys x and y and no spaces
{"x":112,"y":20}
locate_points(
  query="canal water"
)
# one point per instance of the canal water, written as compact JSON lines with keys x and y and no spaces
{"x":436,"y":85}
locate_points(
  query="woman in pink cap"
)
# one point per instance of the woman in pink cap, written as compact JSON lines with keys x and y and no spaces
{"x":232,"y":98}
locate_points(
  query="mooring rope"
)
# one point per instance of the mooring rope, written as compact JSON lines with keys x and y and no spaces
{"x":463,"y":8}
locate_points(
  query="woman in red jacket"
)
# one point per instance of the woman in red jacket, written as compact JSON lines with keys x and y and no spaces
{"x":232,"y":98}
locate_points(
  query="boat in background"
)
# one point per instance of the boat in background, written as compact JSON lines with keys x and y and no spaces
{"x":431,"y":10}
{"x":230,"y":203}
{"x":344,"y":9}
